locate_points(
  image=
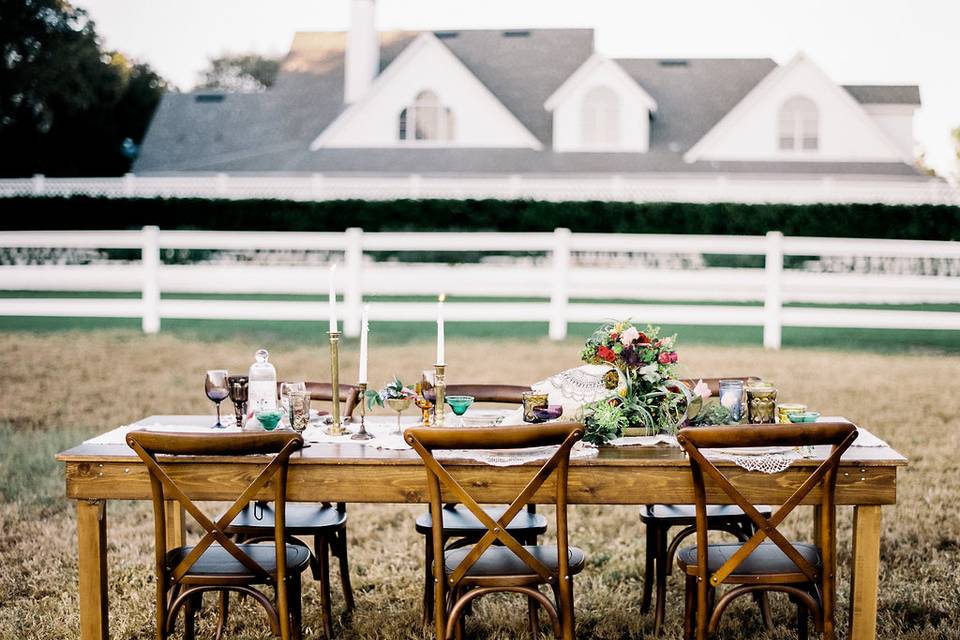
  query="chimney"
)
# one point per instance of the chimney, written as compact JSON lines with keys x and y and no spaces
{"x":363,"y":51}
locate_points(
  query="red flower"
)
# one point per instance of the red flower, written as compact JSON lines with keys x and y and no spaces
{"x":605,"y":353}
{"x":643,"y":339}
{"x":614,"y":336}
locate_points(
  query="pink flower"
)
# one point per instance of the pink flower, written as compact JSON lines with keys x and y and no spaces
{"x":629,"y":336}
{"x":673,"y":356}
{"x":664,"y":358}
{"x":701,"y":389}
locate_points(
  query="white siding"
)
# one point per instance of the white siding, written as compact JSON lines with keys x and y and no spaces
{"x":896,"y":120}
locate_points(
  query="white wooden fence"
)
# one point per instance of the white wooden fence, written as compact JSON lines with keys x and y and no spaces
{"x":562,"y":282}
{"x":753,"y":188}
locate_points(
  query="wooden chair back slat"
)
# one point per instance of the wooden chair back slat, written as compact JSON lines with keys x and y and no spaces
{"x":497,"y":393}
{"x":838,"y":435}
{"x":148,"y":445}
{"x":426,"y":440}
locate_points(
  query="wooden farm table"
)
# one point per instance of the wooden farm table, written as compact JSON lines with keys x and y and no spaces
{"x":351,"y":472}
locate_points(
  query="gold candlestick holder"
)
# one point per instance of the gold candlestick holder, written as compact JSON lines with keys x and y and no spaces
{"x":335,"y":428}
{"x":363,"y":434}
{"x":440,"y":389}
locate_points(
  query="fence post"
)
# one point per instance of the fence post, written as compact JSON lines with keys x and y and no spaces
{"x":558,"y":292}
{"x":353,"y":289}
{"x":151,"y":279}
{"x":37,"y":184}
{"x":773,"y":303}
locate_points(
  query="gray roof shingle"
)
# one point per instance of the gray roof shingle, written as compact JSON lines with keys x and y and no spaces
{"x":271,"y":131}
{"x":884,"y":93}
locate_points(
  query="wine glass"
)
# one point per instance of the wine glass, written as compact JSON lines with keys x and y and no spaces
{"x":285,"y":389}
{"x":239,"y":392}
{"x":460,"y":404}
{"x":399,"y":405}
{"x":217,"y":390}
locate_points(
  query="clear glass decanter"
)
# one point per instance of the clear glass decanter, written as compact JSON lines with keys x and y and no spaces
{"x":262,"y":390}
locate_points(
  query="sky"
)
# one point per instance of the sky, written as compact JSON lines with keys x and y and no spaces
{"x":854,"y":41}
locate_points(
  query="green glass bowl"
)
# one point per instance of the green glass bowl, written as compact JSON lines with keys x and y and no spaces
{"x":269,"y":419}
{"x":808,"y":416}
{"x":459,"y":404}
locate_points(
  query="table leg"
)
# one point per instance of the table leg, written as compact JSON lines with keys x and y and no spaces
{"x":865,"y":575}
{"x":176,"y":532}
{"x":92,"y":564}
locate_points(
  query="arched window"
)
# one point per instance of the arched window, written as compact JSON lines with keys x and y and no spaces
{"x":426,"y":119}
{"x":799,"y":127}
{"x":600,"y":118}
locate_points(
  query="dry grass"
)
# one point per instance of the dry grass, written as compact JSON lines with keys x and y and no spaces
{"x":59,"y":388}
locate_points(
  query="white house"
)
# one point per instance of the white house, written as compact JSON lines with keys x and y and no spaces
{"x":539,"y":104}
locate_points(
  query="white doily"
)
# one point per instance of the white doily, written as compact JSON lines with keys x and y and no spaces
{"x":514,"y":457}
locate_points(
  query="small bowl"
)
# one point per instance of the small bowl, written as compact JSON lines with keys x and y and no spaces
{"x":807,"y":416}
{"x":549,"y":412}
{"x":269,"y":419}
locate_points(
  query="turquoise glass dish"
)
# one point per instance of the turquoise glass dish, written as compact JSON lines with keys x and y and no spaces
{"x":459,"y":404}
{"x":809,"y":416}
{"x":269,"y":419}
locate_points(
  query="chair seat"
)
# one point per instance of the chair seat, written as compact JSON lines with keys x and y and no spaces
{"x":460,"y":522}
{"x":301,"y":519}
{"x":766,"y":560}
{"x":218,"y":562}
{"x":686,"y":514}
{"x":501,"y":561}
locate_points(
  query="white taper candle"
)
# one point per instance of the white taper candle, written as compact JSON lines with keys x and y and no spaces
{"x":364,"y":328}
{"x":333,"y":299}
{"x":440,"y":339}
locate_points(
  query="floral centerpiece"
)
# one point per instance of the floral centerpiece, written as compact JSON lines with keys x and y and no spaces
{"x":651,"y":398}
{"x":394,"y":390}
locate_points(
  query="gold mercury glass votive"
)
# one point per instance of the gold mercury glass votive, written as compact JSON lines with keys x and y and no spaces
{"x":784,"y":410}
{"x":532,"y":400}
{"x":299,"y":409}
{"x":761,"y":402}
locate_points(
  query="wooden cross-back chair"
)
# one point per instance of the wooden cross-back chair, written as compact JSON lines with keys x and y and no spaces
{"x":460,"y":526}
{"x":463,"y":574}
{"x":660,"y":549}
{"x":217,"y":563}
{"x":326,"y":523}
{"x":805,"y":572}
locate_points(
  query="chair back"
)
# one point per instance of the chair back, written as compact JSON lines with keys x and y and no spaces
{"x":426,"y":440}
{"x":498,"y":393}
{"x":838,"y":435}
{"x":149,"y":445}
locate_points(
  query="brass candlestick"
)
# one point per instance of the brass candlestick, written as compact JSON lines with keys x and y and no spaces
{"x":440,"y":389}
{"x":336,"y":429}
{"x":362,"y":434}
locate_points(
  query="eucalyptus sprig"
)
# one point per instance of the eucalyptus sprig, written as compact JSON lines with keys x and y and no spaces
{"x":392,"y":390}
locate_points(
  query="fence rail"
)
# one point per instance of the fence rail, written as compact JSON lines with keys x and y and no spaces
{"x":562,"y":287}
{"x":750,"y":188}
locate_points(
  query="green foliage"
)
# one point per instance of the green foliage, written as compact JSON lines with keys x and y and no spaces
{"x":920,"y":222}
{"x":392,"y":390}
{"x":67,"y":105}
{"x":240,"y":72}
{"x":603,"y":422}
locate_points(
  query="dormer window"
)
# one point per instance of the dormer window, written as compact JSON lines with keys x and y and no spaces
{"x":799,"y":125}
{"x":426,"y":119}
{"x":600,"y":118}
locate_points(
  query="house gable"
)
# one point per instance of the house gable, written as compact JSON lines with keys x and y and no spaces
{"x":627,"y":116}
{"x":844,"y":130}
{"x":480,"y":120}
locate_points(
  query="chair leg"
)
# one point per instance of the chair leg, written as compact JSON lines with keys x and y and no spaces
{"x":190,"y":609}
{"x":295,"y":600}
{"x":428,"y":585}
{"x":648,"y":568}
{"x":533,"y":618}
{"x":689,"y":607}
{"x":322,"y":552}
{"x":762,"y":599}
{"x":803,"y":617}
{"x":341,"y":553}
{"x":660,"y":605}
{"x":224,"y":612}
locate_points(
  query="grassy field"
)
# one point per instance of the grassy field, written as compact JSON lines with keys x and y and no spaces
{"x":61,"y":387}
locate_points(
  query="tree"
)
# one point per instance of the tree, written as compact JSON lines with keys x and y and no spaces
{"x":66,"y":105}
{"x":246,"y":72}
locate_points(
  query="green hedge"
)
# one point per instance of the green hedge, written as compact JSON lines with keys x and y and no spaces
{"x":927,"y":222}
